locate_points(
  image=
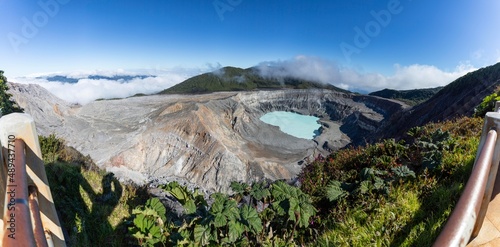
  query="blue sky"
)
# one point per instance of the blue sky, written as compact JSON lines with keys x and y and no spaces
{"x":387,"y":39}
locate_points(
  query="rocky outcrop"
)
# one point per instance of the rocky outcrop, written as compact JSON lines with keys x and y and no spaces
{"x":207,"y":140}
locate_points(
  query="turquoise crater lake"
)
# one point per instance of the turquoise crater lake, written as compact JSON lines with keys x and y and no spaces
{"x":301,"y":126}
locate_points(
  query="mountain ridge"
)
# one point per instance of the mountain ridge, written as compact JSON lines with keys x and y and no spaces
{"x":238,"y":79}
{"x":411,"y":97}
{"x":458,"y":98}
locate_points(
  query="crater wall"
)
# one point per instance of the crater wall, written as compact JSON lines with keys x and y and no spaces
{"x":207,"y":140}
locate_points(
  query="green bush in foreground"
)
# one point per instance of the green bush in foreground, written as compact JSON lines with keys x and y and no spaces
{"x":488,"y":104}
{"x":393,"y":193}
{"x":257,"y":215}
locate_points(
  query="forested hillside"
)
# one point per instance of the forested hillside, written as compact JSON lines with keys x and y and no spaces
{"x":237,"y":79}
{"x":457,"y":99}
{"x":410,"y":97}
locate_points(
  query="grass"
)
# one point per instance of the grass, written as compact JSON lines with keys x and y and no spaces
{"x":364,"y":226}
{"x":94,"y":207}
{"x":414,"y":211}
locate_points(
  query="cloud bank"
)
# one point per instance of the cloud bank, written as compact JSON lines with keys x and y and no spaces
{"x":100,"y":86}
{"x":86,"y":90}
{"x":404,"y":77}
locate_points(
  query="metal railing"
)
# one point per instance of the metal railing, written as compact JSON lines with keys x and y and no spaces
{"x":28,"y":210}
{"x":467,"y":218}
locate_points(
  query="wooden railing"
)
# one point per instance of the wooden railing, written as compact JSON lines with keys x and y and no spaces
{"x":467,"y":218}
{"x":29,"y":214}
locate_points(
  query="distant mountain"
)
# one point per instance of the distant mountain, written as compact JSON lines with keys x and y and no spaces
{"x":59,"y":78}
{"x":238,"y":79}
{"x":66,"y":79}
{"x":457,"y":99}
{"x":410,"y":97}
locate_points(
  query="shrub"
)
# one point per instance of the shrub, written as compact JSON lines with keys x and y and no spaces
{"x":277,"y":214}
{"x":488,"y":104}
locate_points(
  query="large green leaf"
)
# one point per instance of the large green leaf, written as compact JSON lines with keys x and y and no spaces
{"x":239,"y":188}
{"x":235,"y":232}
{"x":148,"y":230}
{"x":180,"y":194}
{"x":219,"y":220}
{"x":218,"y":204}
{"x":301,"y":211}
{"x":334,"y":191}
{"x":305,"y":215}
{"x":403,"y":171}
{"x":365,"y":187}
{"x":190,"y":207}
{"x":202,"y":235}
{"x":280,"y":191}
{"x":223,"y":209}
{"x":143,"y":223}
{"x":250,"y":219}
{"x":366,"y":173}
{"x":378,"y":183}
{"x":156,"y":205}
{"x":293,"y":209}
{"x":259,"y":191}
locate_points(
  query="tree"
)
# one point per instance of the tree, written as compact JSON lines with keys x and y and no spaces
{"x":6,"y":104}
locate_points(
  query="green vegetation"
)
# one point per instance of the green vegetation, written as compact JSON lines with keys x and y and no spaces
{"x":410,"y":97}
{"x":6,"y":104}
{"x":487,"y":76}
{"x":488,"y":104}
{"x":259,"y":215}
{"x":93,"y":206}
{"x":393,"y":193}
{"x":237,"y":79}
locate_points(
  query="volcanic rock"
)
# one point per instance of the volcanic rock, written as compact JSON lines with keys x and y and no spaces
{"x":206,"y":140}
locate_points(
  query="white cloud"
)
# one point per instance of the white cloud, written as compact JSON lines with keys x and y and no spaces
{"x":308,"y":68}
{"x":87,"y":90}
{"x":304,"y":67}
{"x":405,"y":77}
